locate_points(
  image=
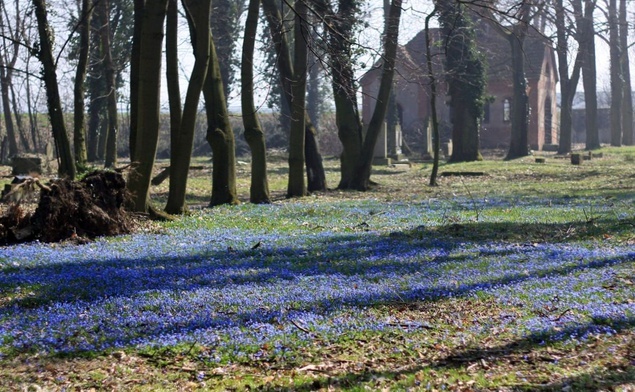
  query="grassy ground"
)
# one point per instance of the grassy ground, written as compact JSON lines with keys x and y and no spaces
{"x":520,"y":279}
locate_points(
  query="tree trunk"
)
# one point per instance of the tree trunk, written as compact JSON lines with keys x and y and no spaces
{"x":259,"y":188}
{"x":465,"y":77}
{"x":220,"y":136}
{"x":148,"y":110}
{"x":317,"y":180}
{"x":172,"y":72}
{"x":135,"y":66}
{"x":79,"y":120}
{"x":296,"y":186}
{"x":349,"y":126}
{"x":586,"y":31}
{"x":6,"y":68}
{"x":627,"y":101}
{"x":617,"y":92}
{"x":361,"y":178}
{"x":433,"y":103}
{"x":6,"y":108}
{"x":568,"y":84}
{"x":54,"y":103}
{"x":111,"y":88}
{"x":519,"y":143}
{"x":198,"y":15}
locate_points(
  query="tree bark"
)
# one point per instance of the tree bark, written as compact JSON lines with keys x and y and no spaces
{"x":518,"y":146}
{"x":6,"y":70}
{"x":220,"y":136}
{"x":255,"y":137}
{"x":296,"y":186}
{"x":617,"y":92}
{"x":135,"y":60}
{"x":315,"y":168}
{"x":627,"y":101}
{"x":586,"y":32}
{"x":361,"y":179}
{"x":198,"y":15}
{"x":79,"y":117}
{"x":465,"y":77}
{"x":568,"y":83}
{"x":45,"y":55}
{"x":111,"y":88}
{"x":347,"y":118}
{"x":148,"y":106}
{"x":433,"y":103}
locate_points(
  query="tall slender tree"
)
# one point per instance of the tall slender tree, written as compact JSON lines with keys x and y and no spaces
{"x":361,"y":178}
{"x":220,"y":135}
{"x":284,"y":62}
{"x":296,"y":186}
{"x":111,"y":86}
{"x":79,"y":117}
{"x":259,"y":188}
{"x":627,"y":99}
{"x":56,"y":115}
{"x":466,"y":80}
{"x":515,"y":36}
{"x":568,"y":81}
{"x":617,"y":88}
{"x":148,"y":105}
{"x":198,"y":17}
{"x":584,"y":9}
{"x":341,"y":26}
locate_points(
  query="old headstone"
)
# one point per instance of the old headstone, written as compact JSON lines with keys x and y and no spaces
{"x":576,"y":158}
{"x":380,"y":154}
{"x":446,"y":148}
{"x":396,"y":152}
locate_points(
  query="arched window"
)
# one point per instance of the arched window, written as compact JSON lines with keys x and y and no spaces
{"x":507,"y":110}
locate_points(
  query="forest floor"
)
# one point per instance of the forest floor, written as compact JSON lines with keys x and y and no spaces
{"x":522,"y":278}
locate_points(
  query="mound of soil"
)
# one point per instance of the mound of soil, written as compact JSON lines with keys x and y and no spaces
{"x":71,"y":210}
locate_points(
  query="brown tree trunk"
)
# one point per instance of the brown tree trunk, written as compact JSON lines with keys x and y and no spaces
{"x":110,"y":154}
{"x":148,"y":110}
{"x":296,"y":186}
{"x":586,"y":32}
{"x":79,"y":117}
{"x":259,"y":188}
{"x":568,"y":84}
{"x":519,"y":142}
{"x":361,"y":178}
{"x":220,"y":136}
{"x":285,"y":65}
{"x":54,"y":103}
{"x":135,"y":59}
{"x":627,"y":101}
{"x":617,"y":90}
{"x":198,"y":16}
{"x":347,"y":118}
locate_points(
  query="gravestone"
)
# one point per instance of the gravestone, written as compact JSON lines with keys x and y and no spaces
{"x":396,"y":152}
{"x":380,"y":154}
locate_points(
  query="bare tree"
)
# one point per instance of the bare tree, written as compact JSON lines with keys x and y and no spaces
{"x":198,"y":17}
{"x":56,"y":115}
{"x":259,"y":188}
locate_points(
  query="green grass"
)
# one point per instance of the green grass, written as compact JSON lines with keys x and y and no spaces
{"x":449,"y":343}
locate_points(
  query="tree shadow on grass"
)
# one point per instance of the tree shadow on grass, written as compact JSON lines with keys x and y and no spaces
{"x":368,"y":260}
{"x":516,"y":350}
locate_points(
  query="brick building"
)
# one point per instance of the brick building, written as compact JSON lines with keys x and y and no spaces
{"x":413,"y":92}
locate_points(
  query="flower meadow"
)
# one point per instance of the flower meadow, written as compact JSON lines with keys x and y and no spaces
{"x":236,"y":279}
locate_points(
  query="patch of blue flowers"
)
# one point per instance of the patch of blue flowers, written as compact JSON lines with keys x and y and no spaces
{"x":317,"y":271}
